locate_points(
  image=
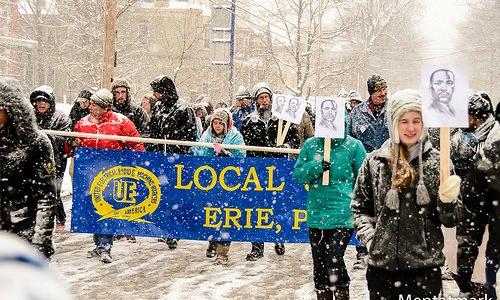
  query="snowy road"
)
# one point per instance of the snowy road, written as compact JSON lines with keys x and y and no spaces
{"x":148,"y":270}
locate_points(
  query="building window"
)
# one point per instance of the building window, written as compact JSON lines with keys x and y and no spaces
{"x":4,"y":20}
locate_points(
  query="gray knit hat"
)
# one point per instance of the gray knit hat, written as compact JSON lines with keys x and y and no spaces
{"x":400,"y":103}
{"x":243,"y":93}
{"x":103,"y":98}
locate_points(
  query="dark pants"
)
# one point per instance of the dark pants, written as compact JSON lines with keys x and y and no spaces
{"x":328,"y":248}
{"x":492,"y":266}
{"x":416,"y":283}
{"x":60,"y":213}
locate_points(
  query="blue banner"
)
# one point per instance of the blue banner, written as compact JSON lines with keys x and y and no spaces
{"x":187,"y":197}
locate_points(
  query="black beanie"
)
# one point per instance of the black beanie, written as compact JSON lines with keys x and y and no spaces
{"x":375,"y":83}
{"x":480,"y":105}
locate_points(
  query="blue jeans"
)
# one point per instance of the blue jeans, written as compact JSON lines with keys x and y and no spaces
{"x":103,"y":242}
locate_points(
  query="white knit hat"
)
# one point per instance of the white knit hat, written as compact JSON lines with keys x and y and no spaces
{"x":400,"y":103}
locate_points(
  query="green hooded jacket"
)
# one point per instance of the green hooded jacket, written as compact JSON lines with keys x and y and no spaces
{"x":329,"y":206}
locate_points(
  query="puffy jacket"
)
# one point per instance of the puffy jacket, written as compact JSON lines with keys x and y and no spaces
{"x":53,"y":120}
{"x":329,"y":206}
{"x":233,"y":137}
{"x":111,"y":123}
{"x":408,"y":238}
{"x":481,"y":195}
{"x":27,"y":188}
{"x":371,"y":131}
{"x":241,"y":113}
{"x":256,"y":132}
{"x":77,"y":113}
{"x":172,"y":121}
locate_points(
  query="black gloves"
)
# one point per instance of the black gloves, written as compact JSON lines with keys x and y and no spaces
{"x":326,"y":165}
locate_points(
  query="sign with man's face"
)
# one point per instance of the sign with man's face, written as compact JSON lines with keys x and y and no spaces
{"x":330,"y":117}
{"x":444,"y":96}
{"x":289,"y":108}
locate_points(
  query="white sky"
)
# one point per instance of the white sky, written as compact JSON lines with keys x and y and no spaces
{"x":439,"y":25}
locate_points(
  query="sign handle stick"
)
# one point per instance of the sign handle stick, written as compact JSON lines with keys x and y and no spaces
{"x":285,"y":131}
{"x":444,"y":153}
{"x":326,"y":156}
{"x":280,"y":128}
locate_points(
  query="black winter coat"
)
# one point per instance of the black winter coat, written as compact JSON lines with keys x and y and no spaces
{"x":481,"y":197}
{"x":77,"y":113}
{"x":172,"y":121}
{"x":53,"y":120}
{"x":27,"y":185}
{"x":136,"y":114}
{"x":256,"y":132}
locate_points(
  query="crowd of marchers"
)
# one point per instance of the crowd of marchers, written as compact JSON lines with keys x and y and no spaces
{"x":384,"y":178}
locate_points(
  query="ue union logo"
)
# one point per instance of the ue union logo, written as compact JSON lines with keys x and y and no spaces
{"x":128,"y":185}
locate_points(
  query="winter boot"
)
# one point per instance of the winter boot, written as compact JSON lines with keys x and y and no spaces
{"x":93,"y":253}
{"x":324,"y":295}
{"x":222,"y":254}
{"x":342,"y":293}
{"x":254,"y":255}
{"x":211,"y":249}
{"x":172,"y":244}
{"x":106,"y":257}
{"x":279,"y":248}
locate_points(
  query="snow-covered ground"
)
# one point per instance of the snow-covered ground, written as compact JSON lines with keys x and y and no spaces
{"x":148,"y":270}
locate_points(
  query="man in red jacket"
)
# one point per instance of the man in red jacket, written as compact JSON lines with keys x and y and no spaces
{"x":102,"y":120}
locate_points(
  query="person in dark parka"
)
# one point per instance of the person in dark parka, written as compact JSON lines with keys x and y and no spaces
{"x":48,"y":117}
{"x":122,"y":103}
{"x":27,"y":188}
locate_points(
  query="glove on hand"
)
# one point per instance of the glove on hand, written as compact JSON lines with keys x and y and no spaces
{"x":449,"y":189}
{"x":326,"y":165}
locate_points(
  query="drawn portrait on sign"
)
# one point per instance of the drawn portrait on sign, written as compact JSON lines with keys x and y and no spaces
{"x":445,"y":96}
{"x":330,"y":117}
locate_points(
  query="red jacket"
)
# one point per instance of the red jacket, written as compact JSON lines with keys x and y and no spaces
{"x":111,"y":123}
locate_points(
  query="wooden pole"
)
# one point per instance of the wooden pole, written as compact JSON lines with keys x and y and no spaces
{"x":444,"y":153}
{"x":326,"y":156}
{"x":280,"y":129}
{"x":285,"y":131}
{"x":109,"y":43}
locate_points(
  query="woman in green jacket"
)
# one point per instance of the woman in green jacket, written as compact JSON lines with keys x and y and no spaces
{"x":329,"y":215}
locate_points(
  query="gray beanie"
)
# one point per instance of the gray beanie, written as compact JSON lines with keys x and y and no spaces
{"x":400,"y":103}
{"x":260,"y":88}
{"x":103,"y":98}
{"x":243,"y":93}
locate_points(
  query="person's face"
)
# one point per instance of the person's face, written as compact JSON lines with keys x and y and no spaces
{"x":410,"y":128}
{"x":329,"y":111}
{"x":354,"y":103}
{"x":157,"y":95}
{"x":96,"y":111}
{"x":442,"y":87}
{"x":246,"y":102}
{"x":218,"y":126}
{"x":42,"y":105}
{"x":474,"y":123}
{"x":379,"y":96}
{"x":199,"y":113}
{"x":281,"y":101}
{"x":294,"y":105}
{"x":146,"y":105}
{"x":84,"y":104}
{"x":264,"y":101}
{"x":121,"y":94}
{"x":4,"y":118}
